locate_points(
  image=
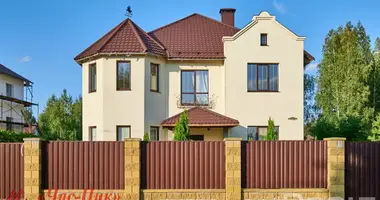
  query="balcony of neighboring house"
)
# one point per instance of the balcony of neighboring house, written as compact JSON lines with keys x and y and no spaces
{"x":205,"y":125}
{"x":16,"y":102}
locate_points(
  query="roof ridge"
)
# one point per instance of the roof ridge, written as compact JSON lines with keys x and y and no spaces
{"x":115,"y":29}
{"x":138,"y":36}
{"x":175,"y":22}
{"x":146,"y":34}
{"x":218,"y":21}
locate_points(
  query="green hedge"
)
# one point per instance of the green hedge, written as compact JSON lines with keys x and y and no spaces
{"x":10,"y":136}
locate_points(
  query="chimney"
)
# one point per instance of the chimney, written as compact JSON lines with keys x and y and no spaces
{"x":228,"y":16}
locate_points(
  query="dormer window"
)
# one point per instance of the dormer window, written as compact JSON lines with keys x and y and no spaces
{"x":264,"y":39}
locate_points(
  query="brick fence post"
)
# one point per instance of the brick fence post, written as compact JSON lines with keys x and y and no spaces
{"x":132,"y":168}
{"x":233,"y":168}
{"x":335,"y":166}
{"x":32,"y":168}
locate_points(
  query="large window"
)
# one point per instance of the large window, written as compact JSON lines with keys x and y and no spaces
{"x":123,"y":75}
{"x":154,"y":133}
{"x":194,"y":87}
{"x":92,"y":133}
{"x":9,"y":89}
{"x":154,"y":77}
{"x":92,"y":78}
{"x":259,"y":132}
{"x":262,"y":77}
{"x":123,"y":132}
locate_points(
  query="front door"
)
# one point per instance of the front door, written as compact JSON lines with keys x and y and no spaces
{"x":197,"y":137}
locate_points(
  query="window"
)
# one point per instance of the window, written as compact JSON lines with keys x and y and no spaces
{"x":9,"y":123}
{"x":154,"y":77}
{"x":259,"y":132}
{"x":262,"y":77}
{"x":123,"y":132}
{"x":9,"y":90}
{"x":194,"y":87}
{"x":123,"y":75}
{"x":92,"y":78}
{"x":154,"y":133}
{"x":92,"y":133}
{"x":263,"y":39}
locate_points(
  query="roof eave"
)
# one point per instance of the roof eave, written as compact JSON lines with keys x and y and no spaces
{"x":204,"y":125}
{"x":128,"y":54}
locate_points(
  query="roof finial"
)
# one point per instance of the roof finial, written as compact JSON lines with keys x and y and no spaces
{"x":128,"y":12}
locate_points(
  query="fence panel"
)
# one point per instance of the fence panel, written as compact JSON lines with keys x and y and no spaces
{"x":284,"y":164}
{"x":362,"y":176}
{"x":83,"y":165}
{"x":183,"y":165}
{"x":11,"y":169}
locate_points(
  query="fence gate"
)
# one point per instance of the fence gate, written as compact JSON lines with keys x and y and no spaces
{"x":362,"y":178}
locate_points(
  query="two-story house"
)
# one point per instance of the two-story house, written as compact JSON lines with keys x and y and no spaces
{"x":16,"y":97}
{"x":230,"y":80}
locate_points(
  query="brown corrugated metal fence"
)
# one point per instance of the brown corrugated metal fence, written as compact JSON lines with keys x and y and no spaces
{"x":284,"y":164}
{"x":183,"y":165}
{"x":362,"y":175}
{"x":11,"y":169}
{"x":81,"y":165}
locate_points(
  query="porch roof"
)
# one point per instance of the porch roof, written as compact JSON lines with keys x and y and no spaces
{"x":202,"y":117}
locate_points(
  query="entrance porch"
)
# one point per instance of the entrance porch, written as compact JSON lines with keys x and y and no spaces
{"x":205,"y":125}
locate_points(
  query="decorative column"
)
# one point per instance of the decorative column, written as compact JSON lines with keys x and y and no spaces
{"x":335,"y":166}
{"x":233,"y":168}
{"x":132,"y":168}
{"x":32,"y":168}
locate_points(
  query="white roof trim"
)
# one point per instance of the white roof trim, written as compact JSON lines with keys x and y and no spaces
{"x":262,"y":16}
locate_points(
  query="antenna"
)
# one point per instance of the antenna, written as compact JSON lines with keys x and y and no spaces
{"x":128,"y":12}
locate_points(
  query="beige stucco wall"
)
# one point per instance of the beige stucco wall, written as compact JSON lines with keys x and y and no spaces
{"x":107,"y":108}
{"x":211,"y":134}
{"x":254,"y":108}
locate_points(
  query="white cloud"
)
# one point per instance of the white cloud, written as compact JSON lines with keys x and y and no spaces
{"x":280,"y":7}
{"x":26,"y":59}
{"x":312,"y":67}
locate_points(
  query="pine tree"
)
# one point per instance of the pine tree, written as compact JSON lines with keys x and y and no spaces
{"x":146,"y":137}
{"x":182,"y":129}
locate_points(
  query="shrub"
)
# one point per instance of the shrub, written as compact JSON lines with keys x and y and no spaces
{"x":182,"y":129}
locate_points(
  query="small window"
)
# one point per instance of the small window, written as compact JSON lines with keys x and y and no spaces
{"x":194,"y":87}
{"x":123,"y":75}
{"x":9,"y":123}
{"x":154,"y":133}
{"x":123,"y":132}
{"x":264,"y":39}
{"x":262,"y":77}
{"x":259,"y":132}
{"x":92,"y":133}
{"x":9,"y":89}
{"x":92,"y":78}
{"x":154,"y":77}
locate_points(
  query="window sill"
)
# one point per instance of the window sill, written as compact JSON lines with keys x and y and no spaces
{"x":195,"y":105}
{"x":263,"y":91}
{"x":264,"y":45}
{"x":123,"y":89}
{"x":92,"y":91}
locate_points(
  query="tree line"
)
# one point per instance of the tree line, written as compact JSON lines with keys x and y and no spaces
{"x":343,"y":99}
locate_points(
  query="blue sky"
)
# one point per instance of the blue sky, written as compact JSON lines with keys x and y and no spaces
{"x":39,"y":39}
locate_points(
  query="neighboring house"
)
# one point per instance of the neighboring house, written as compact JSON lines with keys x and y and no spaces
{"x":16,"y":95}
{"x":231,"y":80}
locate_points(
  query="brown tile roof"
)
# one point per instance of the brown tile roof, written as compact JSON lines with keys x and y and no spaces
{"x":126,"y":37}
{"x":195,"y":36}
{"x":199,"y":116}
